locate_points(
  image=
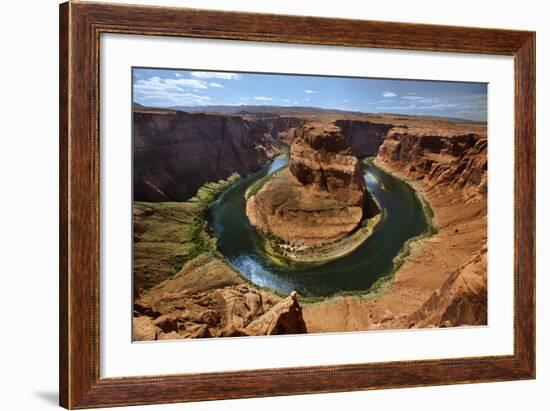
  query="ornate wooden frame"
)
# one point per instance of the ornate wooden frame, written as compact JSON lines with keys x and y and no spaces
{"x":80,"y":27}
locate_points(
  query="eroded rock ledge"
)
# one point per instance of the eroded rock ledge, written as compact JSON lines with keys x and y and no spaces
{"x":445,"y":157}
{"x":208,"y":299}
{"x":309,"y":210}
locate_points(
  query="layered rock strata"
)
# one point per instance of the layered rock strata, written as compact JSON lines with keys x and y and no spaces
{"x":446,"y":162}
{"x":446,"y":159}
{"x":177,"y":152}
{"x":190,"y":305}
{"x":321,"y":198}
{"x":443,"y":281}
{"x":461,"y":300}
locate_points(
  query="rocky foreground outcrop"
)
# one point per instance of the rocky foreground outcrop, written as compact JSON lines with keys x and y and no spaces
{"x":199,"y":302}
{"x":183,"y":289}
{"x":320,"y":198}
{"x":176,"y":152}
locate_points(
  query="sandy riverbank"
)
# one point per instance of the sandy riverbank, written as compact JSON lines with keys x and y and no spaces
{"x":325,"y":253}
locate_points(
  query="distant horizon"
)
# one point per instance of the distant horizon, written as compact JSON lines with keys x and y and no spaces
{"x":170,"y":89}
{"x":196,"y":109}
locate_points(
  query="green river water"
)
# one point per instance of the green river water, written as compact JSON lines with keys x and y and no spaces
{"x":404,"y":218}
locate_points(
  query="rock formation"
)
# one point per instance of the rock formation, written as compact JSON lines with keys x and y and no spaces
{"x":322,"y":160}
{"x":364,"y":137}
{"x":177,"y":152}
{"x":231,"y":311}
{"x":443,"y":157}
{"x":284,"y":318}
{"x":462,"y":300}
{"x":320,"y":198}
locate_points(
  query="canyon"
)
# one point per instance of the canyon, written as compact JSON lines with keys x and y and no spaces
{"x":185,"y":290}
{"x":443,"y":280}
{"x":175,"y":153}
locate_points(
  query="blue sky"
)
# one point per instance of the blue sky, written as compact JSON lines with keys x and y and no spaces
{"x":167,"y":88}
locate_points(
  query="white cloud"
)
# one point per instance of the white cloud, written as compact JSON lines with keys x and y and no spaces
{"x":170,"y":91}
{"x":472,"y":106}
{"x":311,"y":92}
{"x":417,"y":107}
{"x":440,"y":106}
{"x":388,"y":94}
{"x":177,"y":74}
{"x":168,"y":84}
{"x":262,"y":98}
{"x":212,"y":74}
{"x":307,"y":99}
{"x":217,"y":85}
{"x":289,"y":102}
{"x":174,"y":99}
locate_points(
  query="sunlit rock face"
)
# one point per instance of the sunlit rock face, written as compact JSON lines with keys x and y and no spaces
{"x":322,"y":160}
{"x":441,"y":157}
{"x":320,"y":198}
{"x":462,"y":299}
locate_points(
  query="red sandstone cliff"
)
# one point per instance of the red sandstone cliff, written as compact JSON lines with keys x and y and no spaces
{"x":176,"y":152}
{"x":448,"y":162}
{"x":461,"y":300}
{"x":440,"y":157}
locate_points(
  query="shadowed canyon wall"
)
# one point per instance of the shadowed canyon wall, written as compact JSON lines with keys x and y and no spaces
{"x":175,"y":152}
{"x":364,"y":137}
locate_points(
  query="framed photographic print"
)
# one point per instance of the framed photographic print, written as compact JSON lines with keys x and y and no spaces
{"x":258,"y":205}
